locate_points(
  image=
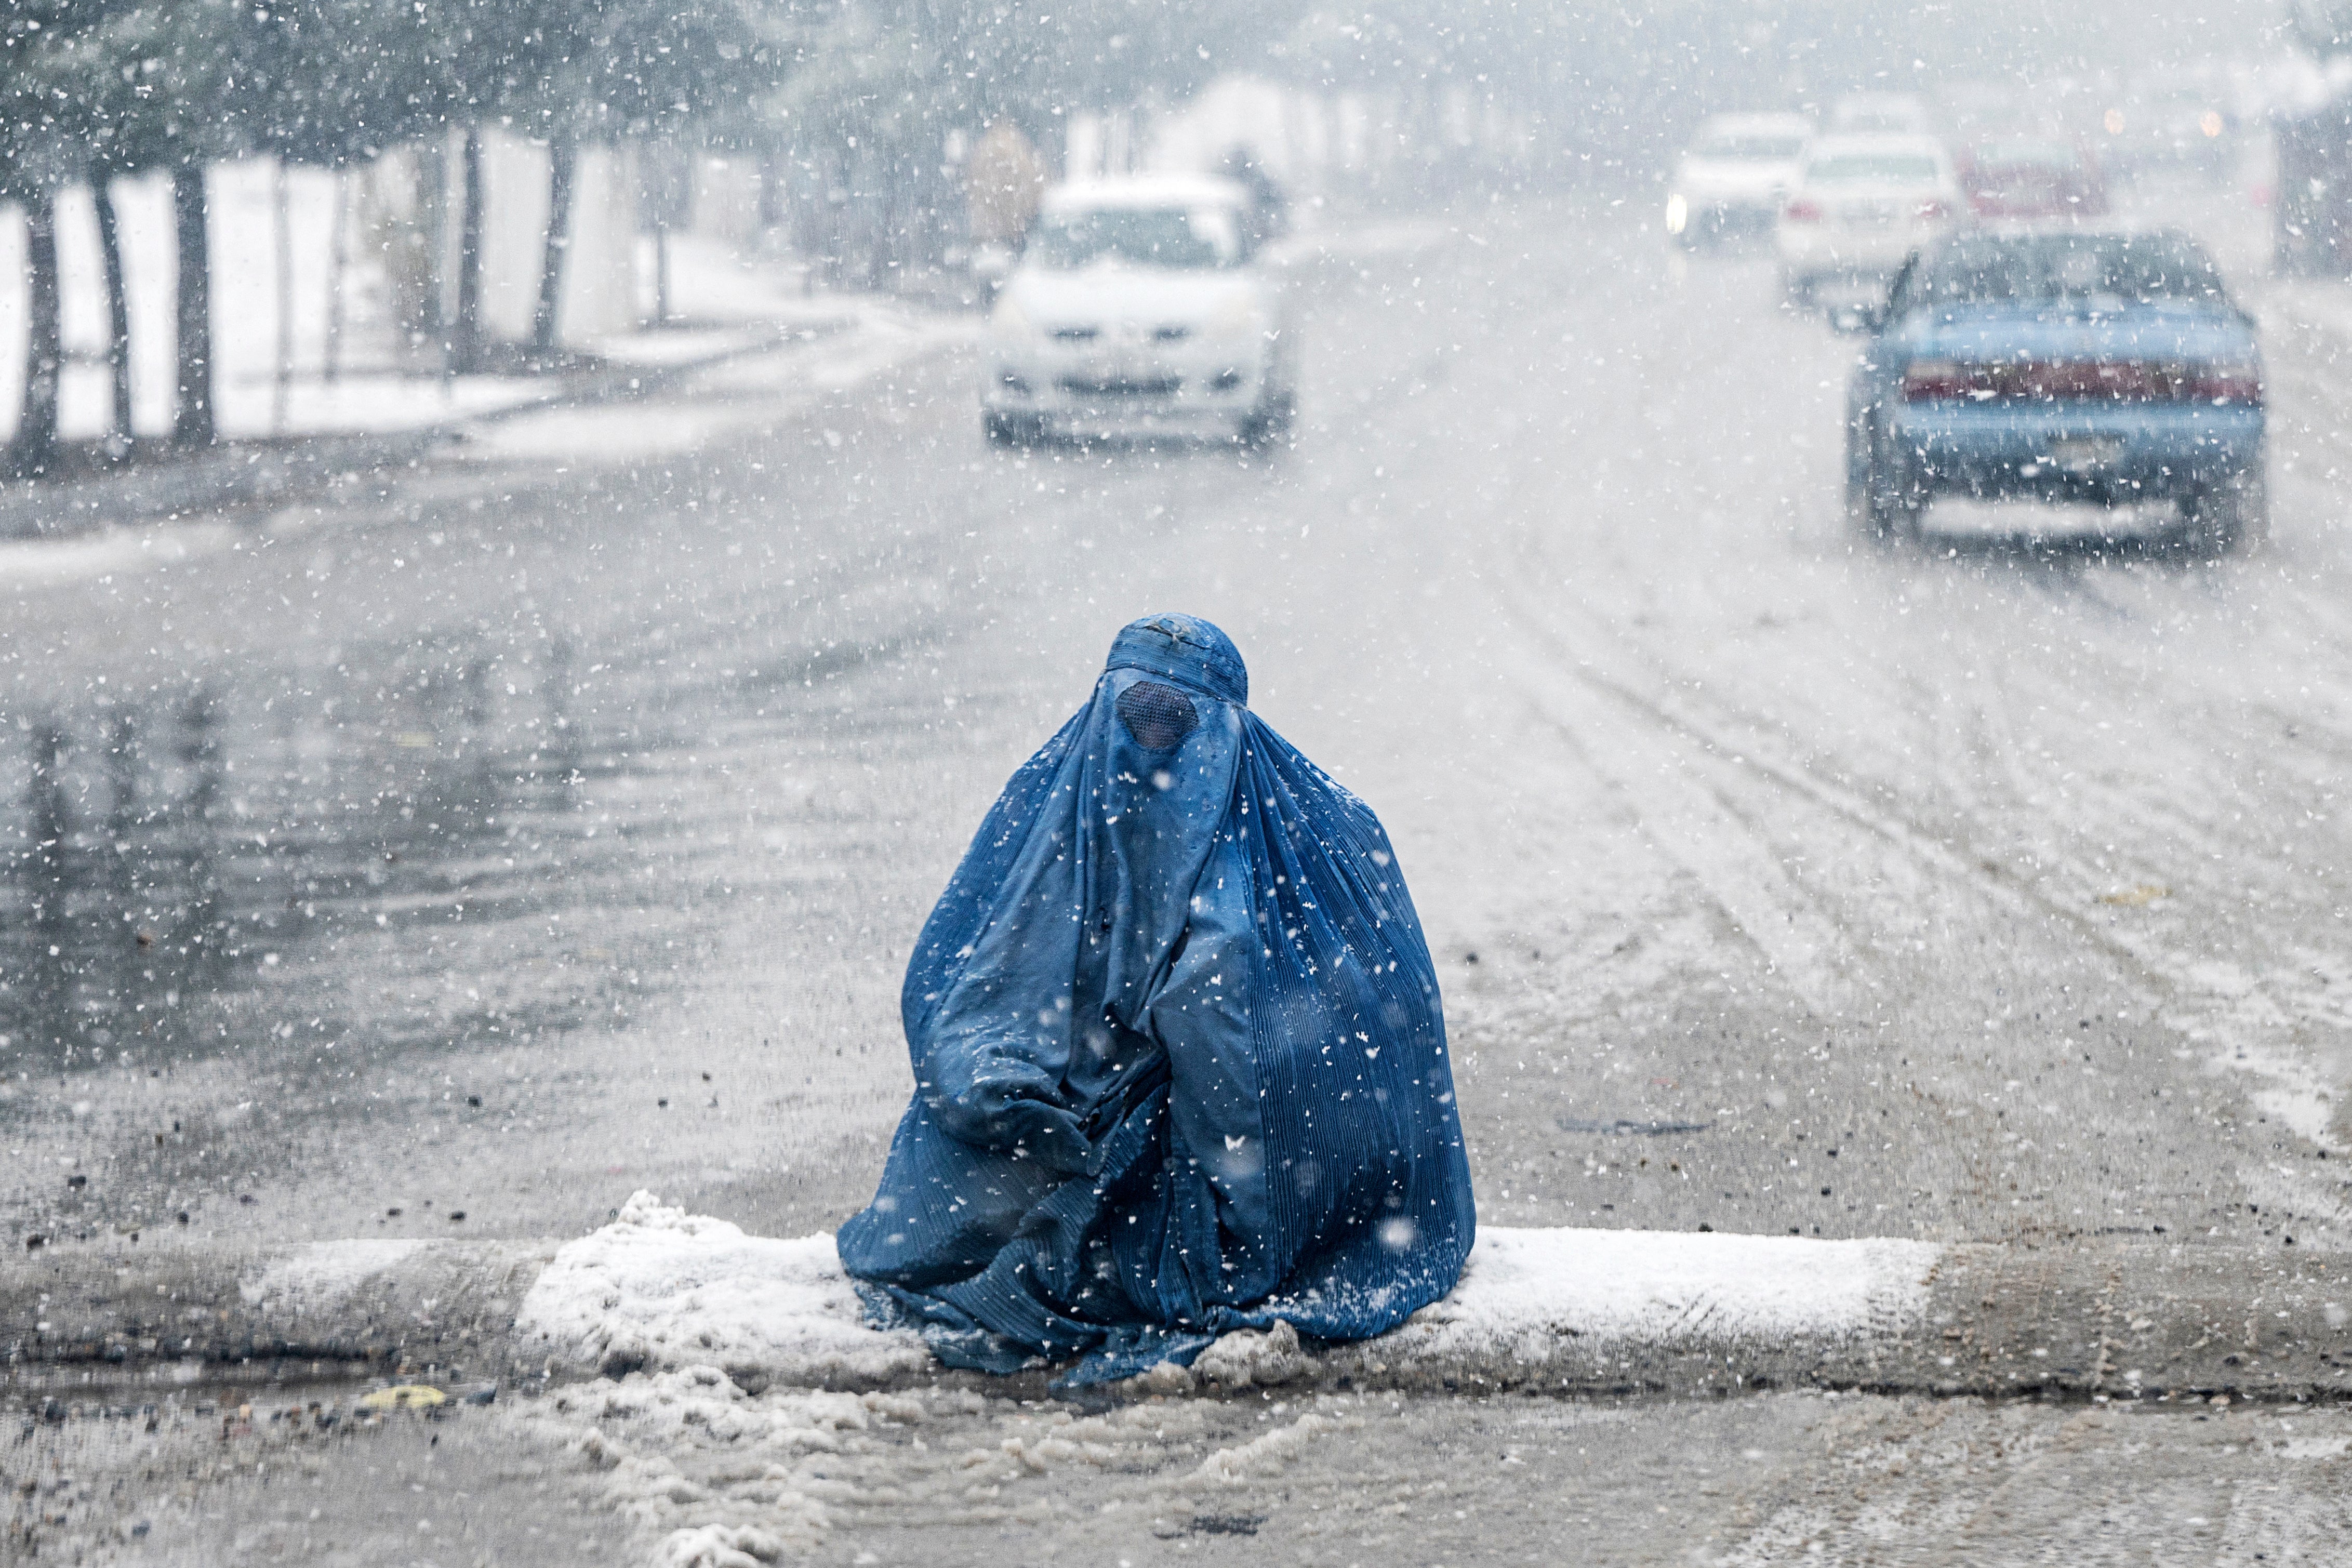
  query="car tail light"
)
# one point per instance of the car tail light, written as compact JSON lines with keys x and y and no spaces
{"x":1932,"y":212}
{"x":1926,"y":379}
{"x":2081,"y":380}
{"x":1802,"y":210}
{"x":2226,"y":383}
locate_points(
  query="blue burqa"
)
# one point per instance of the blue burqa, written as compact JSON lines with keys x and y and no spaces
{"x":1179,"y":1062}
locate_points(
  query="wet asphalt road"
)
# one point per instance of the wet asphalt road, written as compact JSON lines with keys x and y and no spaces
{"x":553,"y":821}
{"x":1783,"y":1478}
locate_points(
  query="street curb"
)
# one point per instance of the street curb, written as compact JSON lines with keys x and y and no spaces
{"x":334,"y":1309}
{"x":2118,"y":1320}
{"x":277,"y":470}
{"x":2115,"y":1319}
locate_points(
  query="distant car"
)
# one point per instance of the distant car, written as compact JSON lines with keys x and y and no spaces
{"x":1140,"y":309}
{"x":1861,"y":206}
{"x":1733,"y":178}
{"x":2068,"y":365}
{"x":1879,"y":114}
{"x":2175,"y":125}
{"x":2032,"y":177}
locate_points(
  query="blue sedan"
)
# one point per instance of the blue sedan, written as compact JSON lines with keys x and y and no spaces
{"x":2096,"y":367}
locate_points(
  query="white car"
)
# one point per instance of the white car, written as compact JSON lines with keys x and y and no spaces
{"x":1734,"y":176}
{"x":1879,"y":114}
{"x":1862,"y":205}
{"x":1139,"y":309}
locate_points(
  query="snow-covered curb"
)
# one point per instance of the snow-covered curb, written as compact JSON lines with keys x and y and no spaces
{"x":1526,"y":1291}
{"x":661,"y":1289}
{"x":666,"y":1292}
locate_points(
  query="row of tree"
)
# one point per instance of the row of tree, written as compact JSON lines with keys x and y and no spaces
{"x":93,"y":90}
{"x":863,"y":96}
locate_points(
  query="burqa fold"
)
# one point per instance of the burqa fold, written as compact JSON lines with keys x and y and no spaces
{"x":1179,"y":1061}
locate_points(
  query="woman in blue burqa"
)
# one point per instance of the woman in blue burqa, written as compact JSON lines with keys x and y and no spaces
{"x":1179,"y":1063}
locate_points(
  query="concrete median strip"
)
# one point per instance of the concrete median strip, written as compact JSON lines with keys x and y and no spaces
{"x":1559,"y":1310}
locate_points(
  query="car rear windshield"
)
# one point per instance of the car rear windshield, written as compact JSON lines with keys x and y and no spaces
{"x":1747,"y":149}
{"x":1873,"y":169}
{"x":1982,"y":269}
{"x":1148,"y":236}
{"x":2026,"y":155}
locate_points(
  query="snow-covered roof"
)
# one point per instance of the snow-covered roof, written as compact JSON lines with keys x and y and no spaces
{"x":1755,"y":125}
{"x":1147,"y":191}
{"x":1829,"y":147}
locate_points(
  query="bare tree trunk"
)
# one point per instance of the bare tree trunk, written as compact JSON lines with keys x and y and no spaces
{"x":661,"y":272}
{"x":563,"y":154}
{"x":118,"y":308}
{"x":772,"y":189}
{"x":281,"y":235}
{"x":466,"y":331}
{"x":338,"y":264}
{"x":35,"y":446}
{"x":193,"y":423}
{"x":433,"y":197}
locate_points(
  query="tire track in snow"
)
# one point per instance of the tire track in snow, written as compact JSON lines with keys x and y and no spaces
{"x":1692,"y":825}
{"x":2218,"y":1004}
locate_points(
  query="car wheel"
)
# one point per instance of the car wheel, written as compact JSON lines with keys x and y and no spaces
{"x":1892,"y":499}
{"x":2230,"y":516}
{"x":1008,"y":429}
{"x":1268,"y":425}
{"x":1857,"y":472}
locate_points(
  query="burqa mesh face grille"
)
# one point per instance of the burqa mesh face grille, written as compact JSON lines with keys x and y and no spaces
{"x":1157,"y":716}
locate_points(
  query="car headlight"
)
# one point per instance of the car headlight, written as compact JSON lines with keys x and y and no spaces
{"x":1677,"y":213}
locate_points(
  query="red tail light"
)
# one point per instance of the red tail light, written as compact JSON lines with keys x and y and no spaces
{"x":1927,"y":379}
{"x":1802,"y":210}
{"x":1932,"y":212}
{"x":2081,"y":381}
{"x":2226,"y":383}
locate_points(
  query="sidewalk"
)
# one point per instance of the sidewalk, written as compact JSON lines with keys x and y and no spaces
{"x":1565,"y":1311}
{"x":367,"y":423}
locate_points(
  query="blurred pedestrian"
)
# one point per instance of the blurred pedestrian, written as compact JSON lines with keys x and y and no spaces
{"x":1269,"y":214}
{"x":1004,"y":180}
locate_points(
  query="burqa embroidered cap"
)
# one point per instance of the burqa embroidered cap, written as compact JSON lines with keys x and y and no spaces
{"x":1179,"y":1061}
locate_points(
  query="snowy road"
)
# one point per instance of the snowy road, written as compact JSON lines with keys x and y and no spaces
{"x":555,"y":823}
{"x":609,"y":789}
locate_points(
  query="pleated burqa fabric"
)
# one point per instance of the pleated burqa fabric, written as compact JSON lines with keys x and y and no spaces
{"x":1179,"y":1061}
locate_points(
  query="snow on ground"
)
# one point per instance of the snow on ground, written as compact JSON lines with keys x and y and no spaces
{"x":1850,"y":1480}
{"x":1523,"y":1290}
{"x":741,"y":392}
{"x":664,"y":1290}
{"x":721,"y":301}
{"x":744,"y":394}
{"x":321,"y":1276}
{"x":711,"y":1477}
{"x":716,"y":1475}
{"x":33,"y":564}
